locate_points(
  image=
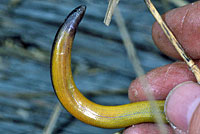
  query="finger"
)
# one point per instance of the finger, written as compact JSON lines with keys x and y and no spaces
{"x":185,"y":24}
{"x":146,"y":128}
{"x":181,"y":104}
{"x":161,"y":81}
{"x":195,"y":122}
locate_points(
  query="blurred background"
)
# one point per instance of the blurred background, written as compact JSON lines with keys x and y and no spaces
{"x":101,"y":67}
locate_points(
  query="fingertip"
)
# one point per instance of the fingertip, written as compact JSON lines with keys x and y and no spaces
{"x":147,"y":128}
{"x":161,"y":80}
{"x":184,"y":24}
{"x":181,"y":103}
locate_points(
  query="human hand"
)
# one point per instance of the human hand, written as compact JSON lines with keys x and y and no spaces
{"x":182,"y":105}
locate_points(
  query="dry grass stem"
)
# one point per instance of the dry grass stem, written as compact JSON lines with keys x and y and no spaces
{"x":174,"y":41}
{"x":111,"y":7}
{"x":53,"y":119}
{"x":179,"y":3}
{"x":137,"y":67}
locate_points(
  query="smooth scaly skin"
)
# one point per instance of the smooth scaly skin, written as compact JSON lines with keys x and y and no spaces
{"x":75,"y":102}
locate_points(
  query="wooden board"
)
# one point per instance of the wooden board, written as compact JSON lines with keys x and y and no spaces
{"x":100,"y":64}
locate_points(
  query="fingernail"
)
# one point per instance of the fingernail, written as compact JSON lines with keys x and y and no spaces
{"x":181,"y":103}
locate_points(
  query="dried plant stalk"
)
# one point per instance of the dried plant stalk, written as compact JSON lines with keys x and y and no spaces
{"x":53,"y":119}
{"x":131,"y":51}
{"x":111,"y":7}
{"x":179,"y":2}
{"x":173,"y":40}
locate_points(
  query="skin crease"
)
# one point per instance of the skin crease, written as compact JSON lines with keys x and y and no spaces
{"x":185,"y":24}
{"x":194,"y":129}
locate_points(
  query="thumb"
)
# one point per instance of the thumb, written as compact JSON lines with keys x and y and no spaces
{"x":182,"y":107}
